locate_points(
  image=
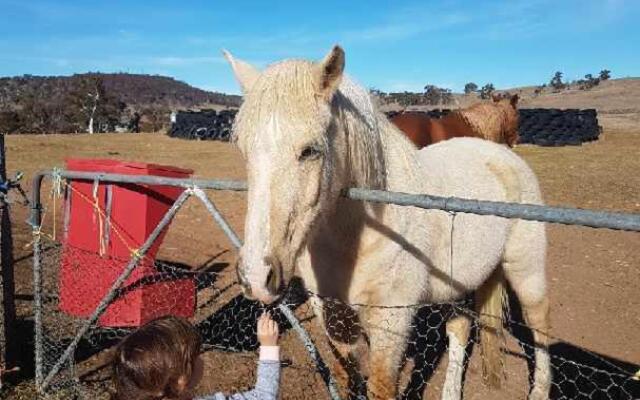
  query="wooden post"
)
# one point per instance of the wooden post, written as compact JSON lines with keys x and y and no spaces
{"x":9,"y":353}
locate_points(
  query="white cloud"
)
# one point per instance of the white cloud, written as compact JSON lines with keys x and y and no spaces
{"x":408,"y":23}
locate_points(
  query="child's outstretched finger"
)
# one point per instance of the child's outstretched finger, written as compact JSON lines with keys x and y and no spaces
{"x":268,"y":328}
{"x":260,"y":325}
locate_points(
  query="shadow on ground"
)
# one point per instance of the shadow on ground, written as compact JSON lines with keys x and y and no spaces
{"x":578,"y":373}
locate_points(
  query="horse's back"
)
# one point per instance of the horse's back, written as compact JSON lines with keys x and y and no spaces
{"x":423,"y":130}
{"x":416,"y":126}
{"x":477,"y":168}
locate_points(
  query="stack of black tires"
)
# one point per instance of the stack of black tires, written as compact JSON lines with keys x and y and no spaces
{"x":547,"y":126}
{"x":203,"y":125}
{"x":554,"y":127}
{"x":436,"y":113}
{"x":539,"y":126}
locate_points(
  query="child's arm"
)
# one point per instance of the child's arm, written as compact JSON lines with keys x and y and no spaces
{"x":268,"y":376}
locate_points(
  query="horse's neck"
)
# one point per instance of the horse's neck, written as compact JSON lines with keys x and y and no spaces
{"x":357,"y":234}
{"x":402,"y":175}
{"x":402,"y":167}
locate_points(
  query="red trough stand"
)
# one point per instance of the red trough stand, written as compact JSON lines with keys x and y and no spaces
{"x":97,"y":247}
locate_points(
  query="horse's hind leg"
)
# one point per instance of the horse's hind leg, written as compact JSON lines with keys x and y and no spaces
{"x":537,"y":318}
{"x":458,"y":333}
{"x":524,"y":267}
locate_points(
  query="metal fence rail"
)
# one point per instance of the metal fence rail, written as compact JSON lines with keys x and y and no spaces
{"x":559,"y":215}
{"x":532,"y":212}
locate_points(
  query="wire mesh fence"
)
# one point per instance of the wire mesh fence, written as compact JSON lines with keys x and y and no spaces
{"x":225,"y":319}
{"x":80,"y":320}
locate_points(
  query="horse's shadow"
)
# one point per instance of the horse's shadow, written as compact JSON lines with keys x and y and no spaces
{"x":577,"y":373}
{"x":426,"y":347}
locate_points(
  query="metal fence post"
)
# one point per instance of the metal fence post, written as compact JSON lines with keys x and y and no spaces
{"x":35,"y":220}
{"x":8,"y":337}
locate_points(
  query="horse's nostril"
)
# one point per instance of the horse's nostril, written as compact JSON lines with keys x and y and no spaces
{"x":273,"y":280}
{"x":270,"y":277}
{"x":247,"y":292}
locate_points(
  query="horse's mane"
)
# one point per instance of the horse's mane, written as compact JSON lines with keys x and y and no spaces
{"x":364,"y":130}
{"x":491,"y":121}
{"x":287,"y":87}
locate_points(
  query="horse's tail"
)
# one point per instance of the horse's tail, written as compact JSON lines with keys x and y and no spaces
{"x":491,"y":301}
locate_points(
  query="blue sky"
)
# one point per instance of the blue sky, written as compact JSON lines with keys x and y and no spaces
{"x":391,"y":45}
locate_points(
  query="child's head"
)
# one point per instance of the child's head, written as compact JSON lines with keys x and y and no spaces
{"x":157,"y":361}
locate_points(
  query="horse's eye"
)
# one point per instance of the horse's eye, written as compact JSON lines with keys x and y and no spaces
{"x":310,"y":152}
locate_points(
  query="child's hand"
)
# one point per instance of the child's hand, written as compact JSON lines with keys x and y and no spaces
{"x":267,"y":330}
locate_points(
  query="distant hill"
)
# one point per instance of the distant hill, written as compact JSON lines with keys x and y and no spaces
{"x":135,"y":90}
{"x":59,"y":104}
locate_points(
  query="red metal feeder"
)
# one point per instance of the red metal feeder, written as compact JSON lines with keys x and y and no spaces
{"x":98,"y":246}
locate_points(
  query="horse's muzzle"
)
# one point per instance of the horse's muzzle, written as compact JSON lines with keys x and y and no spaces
{"x":267,"y":291}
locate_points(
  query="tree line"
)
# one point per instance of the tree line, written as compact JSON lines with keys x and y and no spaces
{"x":590,"y":81}
{"x":434,"y":96}
{"x":95,"y":102}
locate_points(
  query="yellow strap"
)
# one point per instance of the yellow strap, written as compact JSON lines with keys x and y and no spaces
{"x":135,"y":253}
{"x":37,"y":233}
{"x":114,"y":227}
{"x":101,"y":246}
{"x":56,"y":191}
{"x":98,"y":211}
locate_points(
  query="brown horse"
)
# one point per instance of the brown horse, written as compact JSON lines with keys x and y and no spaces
{"x":496,"y":121}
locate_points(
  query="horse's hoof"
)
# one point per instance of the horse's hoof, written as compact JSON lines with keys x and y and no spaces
{"x":539,"y":394}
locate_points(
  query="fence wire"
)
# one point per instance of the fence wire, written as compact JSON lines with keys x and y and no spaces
{"x":227,"y":322}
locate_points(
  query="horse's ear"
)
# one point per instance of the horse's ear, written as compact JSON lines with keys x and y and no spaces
{"x":245,"y":73}
{"x":514,"y":100}
{"x":328,"y":73}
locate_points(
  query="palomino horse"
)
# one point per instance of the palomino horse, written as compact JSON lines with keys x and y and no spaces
{"x":307,"y":132}
{"x":496,"y":121}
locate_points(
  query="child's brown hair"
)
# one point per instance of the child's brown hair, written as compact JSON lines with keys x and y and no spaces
{"x":156,"y":361}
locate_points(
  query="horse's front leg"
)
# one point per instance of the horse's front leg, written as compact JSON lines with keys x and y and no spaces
{"x":388,"y":330}
{"x":346,"y":341}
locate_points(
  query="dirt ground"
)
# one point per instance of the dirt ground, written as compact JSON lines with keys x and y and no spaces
{"x":593,"y":274}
